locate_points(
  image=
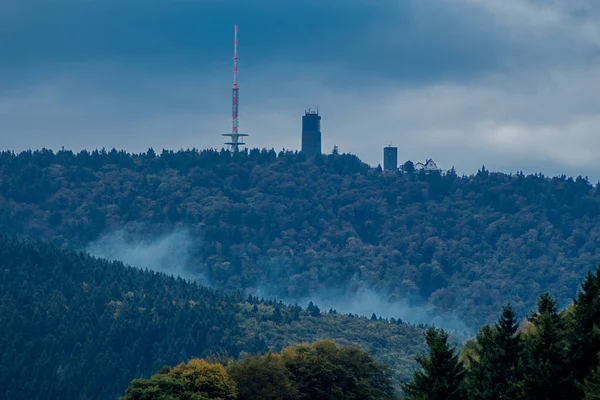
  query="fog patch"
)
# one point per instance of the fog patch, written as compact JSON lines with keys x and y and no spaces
{"x":366,"y":302}
{"x":174,"y":254}
{"x":171,"y":253}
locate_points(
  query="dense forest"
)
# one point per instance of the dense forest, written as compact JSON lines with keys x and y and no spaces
{"x":553,"y":355}
{"x":463,"y":244}
{"x":77,"y":327}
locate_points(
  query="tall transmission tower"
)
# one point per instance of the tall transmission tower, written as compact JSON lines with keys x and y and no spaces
{"x":235,"y":135}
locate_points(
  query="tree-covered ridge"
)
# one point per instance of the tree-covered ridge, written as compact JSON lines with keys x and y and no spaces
{"x":76,"y":327}
{"x":465,"y":244}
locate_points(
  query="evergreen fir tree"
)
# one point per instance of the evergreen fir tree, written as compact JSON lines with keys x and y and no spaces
{"x":495,"y":375}
{"x":545,"y":369}
{"x":441,"y":376}
{"x":584,"y":328}
{"x":591,"y":386}
{"x":277,"y":317}
{"x":313,"y":310}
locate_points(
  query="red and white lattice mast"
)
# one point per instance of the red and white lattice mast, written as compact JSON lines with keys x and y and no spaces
{"x":235,"y":135}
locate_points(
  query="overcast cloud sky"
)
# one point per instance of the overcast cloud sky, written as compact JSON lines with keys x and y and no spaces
{"x":512,"y":84}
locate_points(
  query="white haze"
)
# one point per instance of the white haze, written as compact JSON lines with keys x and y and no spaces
{"x":172,"y":254}
{"x":366,"y":301}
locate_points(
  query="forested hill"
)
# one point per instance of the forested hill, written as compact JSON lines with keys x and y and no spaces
{"x":464,"y":244}
{"x":76,"y":327}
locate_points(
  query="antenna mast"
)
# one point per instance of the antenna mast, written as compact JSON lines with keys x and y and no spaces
{"x":235,"y":100}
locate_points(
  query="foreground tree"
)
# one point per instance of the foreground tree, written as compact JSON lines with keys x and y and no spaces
{"x":494,"y":373}
{"x":546,"y":374}
{"x":263,"y":377}
{"x":326,"y":371}
{"x":441,"y":376}
{"x":196,"y":380}
{"x":584,"y":328}
{"x":591,"y":386}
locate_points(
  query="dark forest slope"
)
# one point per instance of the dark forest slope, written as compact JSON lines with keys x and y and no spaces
{"x":465,"y":244}
{"x":77,"y":327}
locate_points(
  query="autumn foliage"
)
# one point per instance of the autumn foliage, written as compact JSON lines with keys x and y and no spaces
{"x":318,"y":371}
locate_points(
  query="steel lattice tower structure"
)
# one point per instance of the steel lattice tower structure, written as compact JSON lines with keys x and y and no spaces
{"x":235,"y":135}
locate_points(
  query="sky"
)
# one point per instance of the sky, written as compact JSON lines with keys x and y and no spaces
{"x":512,"y":84}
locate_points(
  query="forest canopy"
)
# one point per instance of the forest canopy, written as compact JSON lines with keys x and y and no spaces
{"x":77,"y":327}
{"x":463,"y":244}
{"x":466,"y":245}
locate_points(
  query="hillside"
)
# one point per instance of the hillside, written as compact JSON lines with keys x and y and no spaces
{"x":306,"y":229}
{"x":76,"y":327}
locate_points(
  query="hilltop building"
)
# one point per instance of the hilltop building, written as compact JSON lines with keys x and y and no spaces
{"x":311,"y":133}
{"x":429,"y":165}
{"x":390,"y":158}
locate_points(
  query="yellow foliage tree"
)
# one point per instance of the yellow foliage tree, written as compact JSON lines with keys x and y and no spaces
{"x":196,"y":380}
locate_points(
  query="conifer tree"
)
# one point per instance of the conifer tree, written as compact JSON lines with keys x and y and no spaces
{"x":545,"y":368}
{"x":584,"y":328}
{"x":591,"y":386}
{"x":277,"y":316}
{"x":495,"y":375}
{"x":313,"y":310}
{"x":441,"y":376}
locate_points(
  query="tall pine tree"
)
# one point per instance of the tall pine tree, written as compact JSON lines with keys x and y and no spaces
{"x":584,"y":328}
{"x":495,"y":374}
{"x":545,"y":369}
{"x":441,"y":376}
{"x":591,"y":386}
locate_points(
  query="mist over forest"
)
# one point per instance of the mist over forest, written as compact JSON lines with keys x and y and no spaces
{"x":171,"y":254}
{"x":278,"y":225}
{"x":250,"y":252}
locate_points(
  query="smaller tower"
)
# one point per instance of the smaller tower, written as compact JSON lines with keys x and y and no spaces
{"x":390,"y":158}
{"x":311,"y":133}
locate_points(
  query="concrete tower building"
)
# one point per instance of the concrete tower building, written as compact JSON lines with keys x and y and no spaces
{"x":390,"y":158}
{"x":311,"y":133}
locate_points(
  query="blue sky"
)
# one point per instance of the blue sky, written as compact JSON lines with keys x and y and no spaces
{"x":511,"y":84}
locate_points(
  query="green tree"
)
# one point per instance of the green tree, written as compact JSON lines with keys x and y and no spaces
{"x":408,"y":167}
{"x":263,"y":378}
{"x":277,"y":317}
{"x":591,"y":385}
{"x":196,"y":380}
{"x":494,"y":374}
{"x":545,"y":369}
{"x":326,"y":371}
{"x":313,"y":310}
{"x":584,"y":327}
{"x":441,"y":376}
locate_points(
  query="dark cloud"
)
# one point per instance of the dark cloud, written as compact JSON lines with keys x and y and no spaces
{"x":508,"y":84}
{"x":404,"y":40}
